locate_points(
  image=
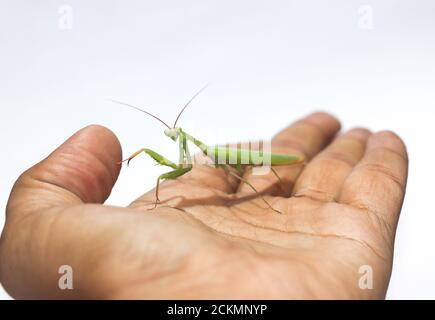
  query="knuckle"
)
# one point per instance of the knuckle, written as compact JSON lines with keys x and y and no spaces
{"x":386,"y":172}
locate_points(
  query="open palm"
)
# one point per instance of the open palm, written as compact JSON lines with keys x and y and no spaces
{"x":211,"y":237}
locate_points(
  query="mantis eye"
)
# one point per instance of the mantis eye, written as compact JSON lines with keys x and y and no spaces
{"x":168,"y":132}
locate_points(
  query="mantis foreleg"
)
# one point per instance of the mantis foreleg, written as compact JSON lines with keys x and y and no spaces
{"x":179,"y":169}
{"x":156,"y":156}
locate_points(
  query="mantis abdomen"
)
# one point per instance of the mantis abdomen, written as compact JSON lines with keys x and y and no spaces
{"x":240,"y":156}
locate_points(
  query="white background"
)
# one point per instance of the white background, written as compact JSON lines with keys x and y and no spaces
{"x":269,"y":62}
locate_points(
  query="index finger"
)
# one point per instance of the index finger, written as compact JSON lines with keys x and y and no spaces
{"x":307,"y":136}
{"x":378,"y":182}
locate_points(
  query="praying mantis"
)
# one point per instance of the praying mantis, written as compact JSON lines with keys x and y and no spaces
{"x":221,"y":156}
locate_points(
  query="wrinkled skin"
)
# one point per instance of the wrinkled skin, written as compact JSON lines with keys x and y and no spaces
{"x":211,"y":237}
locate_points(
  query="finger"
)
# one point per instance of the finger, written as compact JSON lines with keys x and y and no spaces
{"x":323,"y":177}
{"x":55,"y":232}
{"x":378,"y":182}
{"x":82,"y":170}
{"x":304,"y":138}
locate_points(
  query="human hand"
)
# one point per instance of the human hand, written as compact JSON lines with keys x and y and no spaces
{"x":219,"y":240}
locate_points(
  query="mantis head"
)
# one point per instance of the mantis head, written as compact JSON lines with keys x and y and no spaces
{"x":172,"y":133}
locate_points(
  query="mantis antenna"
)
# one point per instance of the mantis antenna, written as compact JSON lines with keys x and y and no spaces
{"x":188,"y":102}
{"x":141,"y":110}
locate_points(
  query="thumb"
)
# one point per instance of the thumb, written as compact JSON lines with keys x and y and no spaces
{"x":82,"y":170}
{"x":55,"y":232}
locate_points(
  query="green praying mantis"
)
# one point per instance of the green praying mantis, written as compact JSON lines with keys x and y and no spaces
{"x":229,"y":158}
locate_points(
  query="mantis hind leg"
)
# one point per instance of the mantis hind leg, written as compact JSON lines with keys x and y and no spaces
{"x":276,"y":175}
{"x":170,"y":176}
{"x":252,"y":187}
